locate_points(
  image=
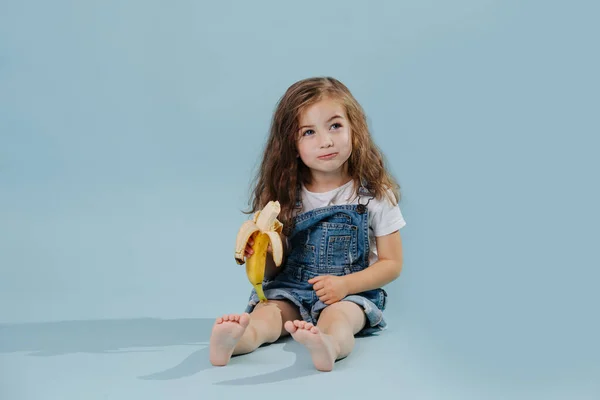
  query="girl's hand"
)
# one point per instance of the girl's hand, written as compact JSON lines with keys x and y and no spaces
{"x":329,"y":288}
{"x":249,"y":251}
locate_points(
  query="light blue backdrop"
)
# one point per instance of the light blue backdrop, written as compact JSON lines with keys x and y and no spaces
{"x":129,"y":132}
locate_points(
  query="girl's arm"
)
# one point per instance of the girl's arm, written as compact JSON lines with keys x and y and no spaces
{"x":385,"y":270}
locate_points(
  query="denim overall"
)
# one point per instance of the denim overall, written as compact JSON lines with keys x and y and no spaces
{"x":332,"y":240}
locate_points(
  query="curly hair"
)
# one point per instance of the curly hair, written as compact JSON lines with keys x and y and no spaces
{"x":281,"y":171}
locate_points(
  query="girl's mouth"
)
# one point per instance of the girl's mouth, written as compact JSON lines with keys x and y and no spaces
{"x":327,"y":156}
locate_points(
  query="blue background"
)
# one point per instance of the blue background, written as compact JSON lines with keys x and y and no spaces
{"x":129,"y":132}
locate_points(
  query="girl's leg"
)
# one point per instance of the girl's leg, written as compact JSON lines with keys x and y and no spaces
{"x":333,"y":337}
{"x":235,"y":334}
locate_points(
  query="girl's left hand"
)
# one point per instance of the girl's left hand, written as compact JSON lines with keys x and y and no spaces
{"x":329,"y":288}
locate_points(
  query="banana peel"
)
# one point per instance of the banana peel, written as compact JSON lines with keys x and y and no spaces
{"x":264,"y":228}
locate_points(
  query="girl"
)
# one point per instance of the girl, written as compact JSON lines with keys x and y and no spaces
{"x":339,"y":207}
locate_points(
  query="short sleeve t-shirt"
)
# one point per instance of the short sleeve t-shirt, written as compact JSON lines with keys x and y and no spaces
{"x":384,"y":216}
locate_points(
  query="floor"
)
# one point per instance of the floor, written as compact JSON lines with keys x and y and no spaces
{"x":168,"y":358}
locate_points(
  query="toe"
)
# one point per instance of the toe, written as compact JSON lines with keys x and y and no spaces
{"x":308,"y":326}
{"x":244,"y":319}
{"x":290,"y":326}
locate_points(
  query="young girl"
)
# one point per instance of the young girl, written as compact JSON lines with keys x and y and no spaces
{"x":339,"y":207}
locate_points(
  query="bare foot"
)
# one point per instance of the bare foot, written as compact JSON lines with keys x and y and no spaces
{"x":226,"y":332}
{"x":322,"y":347}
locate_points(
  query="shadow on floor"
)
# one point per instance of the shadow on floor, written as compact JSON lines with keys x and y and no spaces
{"x":133,"y":335}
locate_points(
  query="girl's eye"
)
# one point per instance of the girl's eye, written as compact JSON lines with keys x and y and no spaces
{"x":310,"y":131}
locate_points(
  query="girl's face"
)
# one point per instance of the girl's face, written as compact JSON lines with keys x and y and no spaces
{"x":324,"y":143}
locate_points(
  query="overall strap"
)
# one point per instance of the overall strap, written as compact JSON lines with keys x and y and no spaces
{"x":364,"y":192}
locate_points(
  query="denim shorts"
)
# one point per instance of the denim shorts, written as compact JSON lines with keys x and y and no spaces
{"x":291,"y":284}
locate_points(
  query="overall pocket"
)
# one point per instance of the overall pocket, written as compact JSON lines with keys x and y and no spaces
{"x":341,"y":244}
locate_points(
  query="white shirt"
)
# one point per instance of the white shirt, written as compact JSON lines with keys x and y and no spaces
{"x":384,"y":217}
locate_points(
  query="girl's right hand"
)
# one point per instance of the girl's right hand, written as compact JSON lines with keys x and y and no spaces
{"x":249,"y":250}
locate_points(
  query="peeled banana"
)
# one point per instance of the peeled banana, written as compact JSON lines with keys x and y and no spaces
{"x":264,"y":228}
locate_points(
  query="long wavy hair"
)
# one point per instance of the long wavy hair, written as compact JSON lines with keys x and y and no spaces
{"x":281,"y":171}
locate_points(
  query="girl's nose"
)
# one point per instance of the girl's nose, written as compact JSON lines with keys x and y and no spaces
{"x":326,"y":142}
